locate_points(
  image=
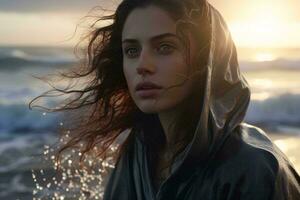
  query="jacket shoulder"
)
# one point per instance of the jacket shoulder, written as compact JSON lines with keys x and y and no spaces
{"x":256,"y":168}
{"x":251,"y":158}
{"x":249,"y":149}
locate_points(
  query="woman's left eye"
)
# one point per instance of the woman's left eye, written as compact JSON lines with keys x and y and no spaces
{"x":166,"y":48}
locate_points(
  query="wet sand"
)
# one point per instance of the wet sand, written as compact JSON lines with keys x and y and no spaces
{"x":290,"y":145}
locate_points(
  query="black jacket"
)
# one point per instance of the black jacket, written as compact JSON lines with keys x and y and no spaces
{"x":226,"y":158}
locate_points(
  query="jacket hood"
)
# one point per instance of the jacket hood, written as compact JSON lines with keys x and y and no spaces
{"x":224,"y":100}
{"x":226,"y":96}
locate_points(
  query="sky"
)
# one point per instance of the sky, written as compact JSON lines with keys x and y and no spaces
{"x":253,"y":23}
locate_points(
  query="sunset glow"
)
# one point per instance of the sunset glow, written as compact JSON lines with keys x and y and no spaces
{"x":264,"y":57}
{"x":266,"y":25}
{"x":253,"y":23}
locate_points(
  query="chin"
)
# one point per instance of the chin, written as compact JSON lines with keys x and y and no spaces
{"x":152,"y":106}
{"x":149,"y":109}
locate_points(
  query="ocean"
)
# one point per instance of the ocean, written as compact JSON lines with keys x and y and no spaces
{"x":273,"y":75}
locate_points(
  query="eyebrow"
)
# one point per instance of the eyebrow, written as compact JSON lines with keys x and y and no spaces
{"x":157,"y":37}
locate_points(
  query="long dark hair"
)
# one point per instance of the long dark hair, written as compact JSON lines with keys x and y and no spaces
{"x":102,"y":110}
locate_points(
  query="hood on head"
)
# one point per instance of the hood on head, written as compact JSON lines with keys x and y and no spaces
{"x":226,"y":95}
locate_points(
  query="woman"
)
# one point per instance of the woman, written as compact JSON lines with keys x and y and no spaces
{"x":224,"y":158}
{"x":167,"y":70}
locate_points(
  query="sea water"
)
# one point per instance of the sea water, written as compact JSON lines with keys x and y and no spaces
{"x":275,"y":103}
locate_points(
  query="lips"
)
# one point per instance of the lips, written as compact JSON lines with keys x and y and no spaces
{"x":147,"y":90}
{"x":147,"y":86}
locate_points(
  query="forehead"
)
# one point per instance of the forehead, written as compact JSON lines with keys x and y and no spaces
{"x":143,"y":23}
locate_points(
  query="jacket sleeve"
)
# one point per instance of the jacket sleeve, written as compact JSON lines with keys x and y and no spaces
{"x":287,"y":185}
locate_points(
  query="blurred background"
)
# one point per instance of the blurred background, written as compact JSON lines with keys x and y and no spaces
{"x":38,"y":37}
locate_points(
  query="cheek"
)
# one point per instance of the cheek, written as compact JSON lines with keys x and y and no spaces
{"x":175,"y":75}
{"x":174,"y":69}
{"x":130,"y":76}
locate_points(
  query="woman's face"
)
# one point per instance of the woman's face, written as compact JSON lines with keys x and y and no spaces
{"x":153,"y":53}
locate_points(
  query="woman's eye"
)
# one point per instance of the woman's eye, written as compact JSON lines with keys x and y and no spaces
{"x":165,"y":48}
{"x":131,"y":52}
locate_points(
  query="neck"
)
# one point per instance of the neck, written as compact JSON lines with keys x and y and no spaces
{"x":187,"y":124}
{"x":167,"y":120}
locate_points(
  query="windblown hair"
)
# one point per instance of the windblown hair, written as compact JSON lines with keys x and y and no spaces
{"x":103,"y":109}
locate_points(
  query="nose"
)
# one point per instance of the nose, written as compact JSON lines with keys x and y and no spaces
{"x":146,"y":63}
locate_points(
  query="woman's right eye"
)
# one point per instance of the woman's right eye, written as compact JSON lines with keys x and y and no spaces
{"x":131,"y":52}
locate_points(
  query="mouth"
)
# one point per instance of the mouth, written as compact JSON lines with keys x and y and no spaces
{"x":147,"y":89}
{"x":148,"y":93}
{"x":147,"y":86}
